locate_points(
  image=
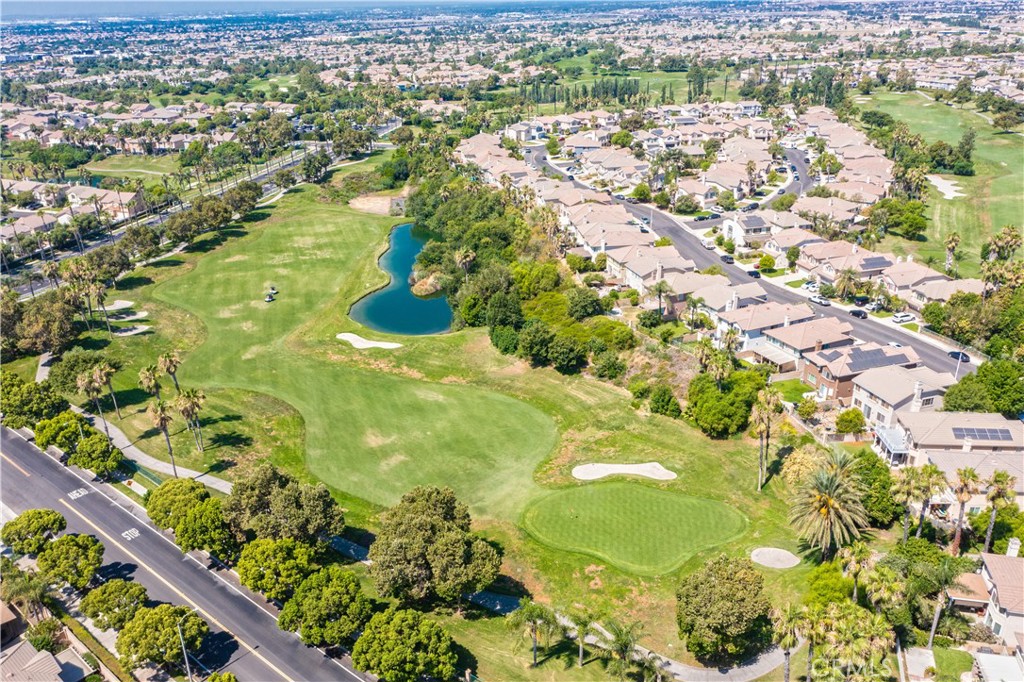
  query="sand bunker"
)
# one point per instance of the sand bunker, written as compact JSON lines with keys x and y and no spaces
{"x":591,"y":472}
{"x":949,"y":189}
{"x":119,"y":305}
{"x":773,"y":557}
{"x":361,"y":343}
{"x":370,"y":203}
{"x":132,"y":331}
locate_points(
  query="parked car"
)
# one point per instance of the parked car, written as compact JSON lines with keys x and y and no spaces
{"x":959,"y":356}
{"x":750,"y":207}
{"x":894,"y":344}
{"x":782,"y":190}
{"x":820,"y":300}
{"x":873,"y":307}
{"x":646,"y":220}
{"x":809,"y":285}
{"x":714,"y":216}
{"x":632,"y":200}
{"x":726,"y":258}
{"x":754,"y":273}
{"x":859,"y":314}
{"x":860,"y":301}
{"x":570,"y":178}
{"x":807,"y":159}
{"x":903,"y":318}
{"x":796,"y":176}
{"x":709,"y":244}
{"x":701,"y":218}
{"x":620,"y":196}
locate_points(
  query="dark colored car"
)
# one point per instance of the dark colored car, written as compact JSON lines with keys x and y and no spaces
{"x":750,"y":207}
{"x":959,"y":356}
{"x":754,"y":273}
{"x":726,"y":258}
{"x":714,"y":216}
{"x":860,"y":301}
{"x":701,"y":217}
{"x":859,"y":314}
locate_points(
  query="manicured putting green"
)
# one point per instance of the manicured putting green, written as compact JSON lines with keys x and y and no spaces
{"x":637,"y":528}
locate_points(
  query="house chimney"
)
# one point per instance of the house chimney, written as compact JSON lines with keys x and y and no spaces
{"x":915,"y":405}
{"x":817,"y":345}
{"x":967,"y":445}
{"x":785,"y":321}
{"x":661,"y":272}
{"x":854,"y":248}
{"x":1013,"y":547}
{"x":603,"y":244}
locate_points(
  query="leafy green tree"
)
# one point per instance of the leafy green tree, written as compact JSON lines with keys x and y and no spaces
{"x":877,"y":479}
{"x":767,"y":263}
{"x":328,"y":608}
{"x":792,"y":256}
{"x":47,"y":324}
{"x":970,"y":394}
{"x":44,"y":635}
{"x":151,"y":636}
{"x":275,"y":567}
{"x":722,"y":610}
{"x":31,"y":531}
{"x":642,"y":192}
{"x":95,"y":453}
{"x":609,"y":366}
{"x":269,"y":503}
{"x":807,"y":408}
{"x":424,"y":549}
{"x":404,"y":646}
{"x":72,"y":559}
{"x":169,"y":502}
{"x":222,"y":677}
{"x":999,"y":491}
{"x":784,"y":203}
{"x":535,"y":339}
{"x":75,"y":362}
{"x":505,"y":339}
{"x":663,"y":401}
{"x":26,"y":403}
{"x":114,"y":603}
{"x":850,"y":421}
{"x":534,"y":621}
{"x":623,"y":138}
{"x":582,"y":303}
{"x":567,"y":354}
{"x":62,"y":431}
{"x":622,"y":645}
{"x":203,"y":527}
{"x":727,"y":200}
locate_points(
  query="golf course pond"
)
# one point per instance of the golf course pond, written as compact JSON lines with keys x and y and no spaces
{"x":395,"y":309}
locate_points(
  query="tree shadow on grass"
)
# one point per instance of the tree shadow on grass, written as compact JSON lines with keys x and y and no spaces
{"x":134,"y":282}
{"x":166,"y":263}
{"x":220,"y":466}
{"x":231,"y":439}
{"x":209,"y":421}
{"x":256,"y":216}
{"x":93,"y":343}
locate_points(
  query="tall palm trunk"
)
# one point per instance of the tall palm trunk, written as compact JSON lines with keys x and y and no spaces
{"x":920,"y":519}
{"x":106,"y":318}
{"x":991,"y":526}
{"x":785,"y":665}
{"x":113,"y":398}
{"x":533,"y":636}
{"x":810,"y":660}
{"x":935,"y":620}
{"x":167,"y":438}
{"x":96,"y":402}
{"x":955,"y":547}
{"x":199,"y":435}
{"x":906,"y":524}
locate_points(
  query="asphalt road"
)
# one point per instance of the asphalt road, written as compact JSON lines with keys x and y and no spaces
{"x":244,"y":637}
{"x":689,"y":246}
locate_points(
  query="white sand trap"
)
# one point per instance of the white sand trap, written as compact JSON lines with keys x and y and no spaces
{"x":591,"y":472}
{"x":949,"y":189}
{"x":361,"y":343}
{"x":119,"y":305}
{"x":773,"y":557}
{"x":132,"y":331}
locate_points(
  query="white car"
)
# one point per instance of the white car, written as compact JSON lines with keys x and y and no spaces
{"x":903,"y":318}
{"x":820,"y":300}
{"x":872,"y":307}
{"x":809,"y":286}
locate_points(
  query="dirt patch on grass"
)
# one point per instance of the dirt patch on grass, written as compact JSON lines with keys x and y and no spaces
{"x":454,"y":380}
{"x":375,"y":439}
{"x":377,"y":205}
{"x":236,"y":259}
{"x":392,"y":461}
{"x":431,"y":396}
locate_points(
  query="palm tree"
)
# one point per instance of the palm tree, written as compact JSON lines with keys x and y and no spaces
{"x":51,"y":271}
{"x":761,"y":417}
{"x":854,"y":559}
{"x":952,"y":242}
{"x":693,"y":304}
{"x":999,"y":493}
{"x":730,"y":341}
{"x":621,"y":646}
{"x":787,"y":624}
{"x":769,"y":400}
{"x":906,"y":485}
{"x":966,"y":486}
{"x":813,"y":625}
{"x":651,"y":666}
{"x":169,"y":363}
{"x":149,"y":380}
{"x":534,"y":620}
{"x":719,"y":366}
{"x":583,"y":624}
{"x":26,"y":589}
{"x":160,"y":413}
{"x":190,"y":403}
{"x":827,"y":511}
{"x":464,"y":257}
{"x":91,"y":389}
{"x":659,"y":289}
{"x":884,"y":587}
{"x":846,"y":283}
{"x":103,"y":373}
{"x":941,"y":578}
{"x":933,"y":482}
{"x":99,"y":292}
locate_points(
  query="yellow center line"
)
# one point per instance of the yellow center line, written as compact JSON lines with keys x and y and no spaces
{"x":181,"y":594}
{"x":16,"y":465}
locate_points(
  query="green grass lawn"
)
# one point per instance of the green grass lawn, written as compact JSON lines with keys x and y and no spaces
{"x":993,"y":196}
{"x":792,"y":389}
{"x":149,"y":169}
{"x":640,"y":529}
{"x":951,"y":663}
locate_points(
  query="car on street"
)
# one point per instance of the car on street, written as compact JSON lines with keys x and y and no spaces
{"x":620,"y":196}
{"x":646,"y":220}
{"x":714,"y":216}
{"x":796,"y":177}
{"x":750,"y":207}
{"x":820,"y":300}
{"x":792,"y":167}
{"x":754,"y":273}
{"x":807,"y":159}
{"x":959,"y":356}
{"x":903,"y":318}
{"x":726,"y":258}
{"x":859,"y":314}
{"x":702,"y":218}
{"x":894,"y":344}
{"x":782,"y":190}
{"x":709,"y":244}
{"x":632,"y":200}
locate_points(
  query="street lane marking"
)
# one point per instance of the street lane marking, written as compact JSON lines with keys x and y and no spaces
{"x":174,"y":589}
{"x":131,"y":534}
{"x":78,"y":492}
{"x":16,"y":465}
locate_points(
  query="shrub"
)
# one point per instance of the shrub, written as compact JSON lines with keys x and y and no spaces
{"x":850,"y":421}
{"x":649,"y":319}
{"x":566,"y":354}
{"x":594,"y":279}
{"x":582,"y":303}
{"x":639,"y":388}
{"x":807,"y":408}
{"x":609,"y":366}
{"x":729,"y":246}
{"x":45,"y":635}
{"x":663,"y":401}
{"x":767,"y":262}
{"x":505,"y":339}
{"x":534,"y":341}
{"x":663,"y":241}
{"x":827,"y":290}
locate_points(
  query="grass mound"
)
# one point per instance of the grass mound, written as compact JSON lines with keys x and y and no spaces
{"x":637,"y":528}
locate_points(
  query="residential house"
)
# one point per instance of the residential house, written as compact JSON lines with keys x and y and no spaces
{"x":640,"y":267}
{"x":746,"y":230}
{"x":781,"y":242}
{"x":21,"y":662}
{"x":837,"y":210}
{"x":752,"y":322}
{"x":786,"y":345}
{"x":831,"y":372}
{"x":882,"y":392}
{"x":728,"y":176}
{"x":717,"y":298}
{"x":901,"y":277}
{"x":940,"y":290}
{"x":702,"y":193}
{"x":995,"y":595}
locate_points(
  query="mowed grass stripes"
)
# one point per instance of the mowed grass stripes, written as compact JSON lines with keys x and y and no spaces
{"x":637,"y":528}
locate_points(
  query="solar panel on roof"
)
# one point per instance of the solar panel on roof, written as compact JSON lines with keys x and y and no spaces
{"x":961,"y":432}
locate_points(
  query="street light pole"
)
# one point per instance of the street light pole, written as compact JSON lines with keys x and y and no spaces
{"x":184,"y":651}
{"x":959,"y":359}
